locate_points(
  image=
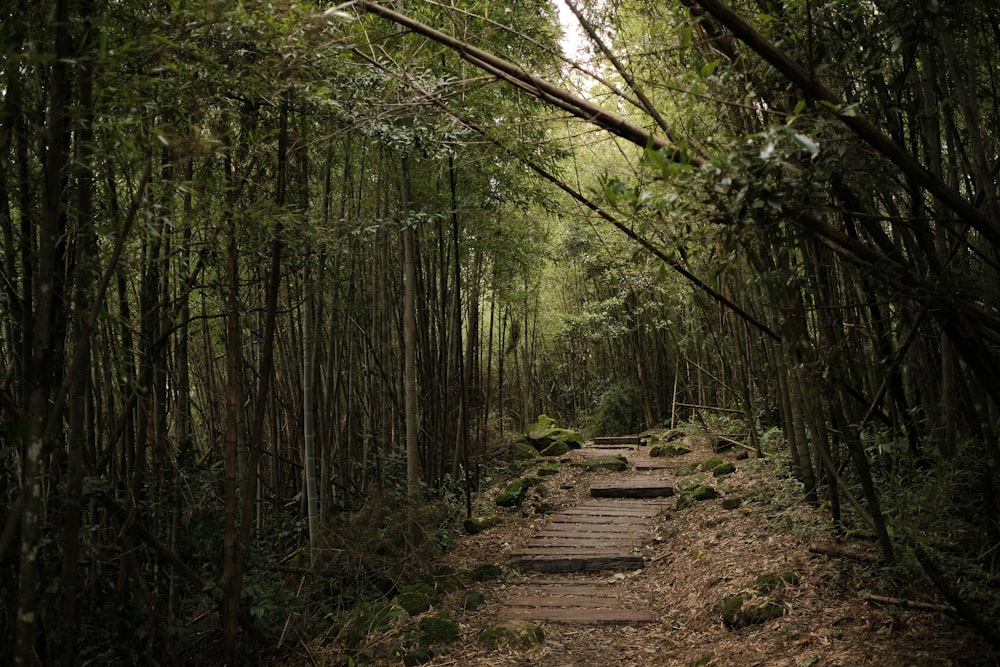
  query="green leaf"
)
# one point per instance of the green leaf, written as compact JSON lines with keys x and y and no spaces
{"x":709,"y":68}
{"x":799,"y":107}
{"x":808,"y":144}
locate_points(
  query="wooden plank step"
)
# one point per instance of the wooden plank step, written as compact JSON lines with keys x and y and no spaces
{"x":618,"y":440}
{"x":578,"y":563}
{"x":587,"y":616}
{"x":576,"y":538}
{"x":588,"y":520}
{"x":555,"y":529}
{"x":562,"y":588}
{"x":563,"y":602}
{"x":618,"y":504}
{"x":611,"y":511}
{"x":576,"y":546}
{"x":642,"y":466}
{"x":569,"y":550}
{"x":635,"y":488}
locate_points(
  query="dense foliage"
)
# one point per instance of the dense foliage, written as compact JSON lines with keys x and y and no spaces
{"x":226,"y":228}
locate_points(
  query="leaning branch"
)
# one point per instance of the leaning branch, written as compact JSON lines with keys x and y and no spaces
{"x":572,"y":192}
{"x":536,"y":86}
{"x":862,"y":127}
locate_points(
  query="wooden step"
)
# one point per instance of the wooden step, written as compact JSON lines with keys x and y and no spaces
{"x":590,"y":528}
{"x":635,"y":512}
{"x":617,"y":440}
{"x":596,"y":604}
{"x":583,"y":616}
{"x":632,"y":488}
{"x":577,"y":562}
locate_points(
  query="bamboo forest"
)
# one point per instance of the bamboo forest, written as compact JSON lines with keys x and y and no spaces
{"x":288,"y":288}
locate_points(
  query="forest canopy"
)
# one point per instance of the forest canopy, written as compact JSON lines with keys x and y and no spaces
{"x":281,"y":281}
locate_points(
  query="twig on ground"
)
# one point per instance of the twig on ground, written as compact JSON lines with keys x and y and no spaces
{"x":841,"y":552}
{"x":909,"y":604}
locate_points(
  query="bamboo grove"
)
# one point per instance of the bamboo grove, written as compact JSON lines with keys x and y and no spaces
{"x":279,"y":280}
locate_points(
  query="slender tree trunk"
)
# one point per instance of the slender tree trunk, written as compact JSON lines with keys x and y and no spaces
{"x":77,"y":442}
{"x":230,"y":559}
{"x":413,"y":490}
{"x":43,"y":344}
{"x":308,"y":420}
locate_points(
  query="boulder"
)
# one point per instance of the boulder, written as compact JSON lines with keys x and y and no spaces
{"x":695,"y":494}
{"x":616,"y":463}
{"x":477,"y":524}
{"x":548,"y":469}
{"x":724,"y":469}
{"x":522,"y":451}
{"x":711,"y":464}
{"x":515,"y":492}
{"x":417,"y":598}
{"x":668,"y":450}
{"x":512,"y":634}
{"x":731,"y":503}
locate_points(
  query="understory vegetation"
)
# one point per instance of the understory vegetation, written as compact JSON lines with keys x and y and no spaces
{"x":280,"y":284}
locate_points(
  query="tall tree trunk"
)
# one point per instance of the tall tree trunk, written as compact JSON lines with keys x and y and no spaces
{"x":413,"y":490}
{"x":230,"y":566}
{"x":308,"y":420}
{"x":43,"y":345}
{"x":76,"y":445}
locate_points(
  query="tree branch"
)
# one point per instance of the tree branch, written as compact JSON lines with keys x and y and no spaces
{"x":862,"y":127}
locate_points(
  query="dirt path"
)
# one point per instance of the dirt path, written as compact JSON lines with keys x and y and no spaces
{"x":696,"y":559}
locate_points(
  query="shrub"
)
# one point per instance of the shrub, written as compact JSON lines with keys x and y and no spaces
{"x":617,"y":411}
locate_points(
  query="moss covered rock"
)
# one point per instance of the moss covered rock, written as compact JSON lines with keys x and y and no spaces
{"x":472,"y":599}
{"x":731,"y":503}
{"x":548,"y":469}
{"x":418,"y":598}
{"x":565,"y":439}
{"x":689,"y":469}
{"x":477,"y":524}
{"x":544,"y":436}
{"x":770,"y":582}
{"x":760,"y":605}
{"x":439,"y":628}
{"x":522,"y":451}
{"x":711,"y":464}
{"x":615,"y":463}
{"x":724,"y":469}
{"x":515,"y":492}
{"x":513,"y":634}
{"x":695,"y":494}
{"x":545,"y":508}
{"x":542,"y":423}
{"x":668,"y":450}
{"x":741,"y":610}
{"x":557,"y":448}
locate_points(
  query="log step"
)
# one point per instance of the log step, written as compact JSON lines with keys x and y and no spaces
{"x":584,"y":616}
{"x":632,"y":489}
{"x":577,"y":562}
{"x":571,"y":603}
{"x":617,"y":440}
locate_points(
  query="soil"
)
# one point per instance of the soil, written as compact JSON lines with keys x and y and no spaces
{"x":696,"y":559}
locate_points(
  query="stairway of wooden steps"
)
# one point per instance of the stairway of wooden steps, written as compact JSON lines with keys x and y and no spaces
{"x":606,"y":533}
